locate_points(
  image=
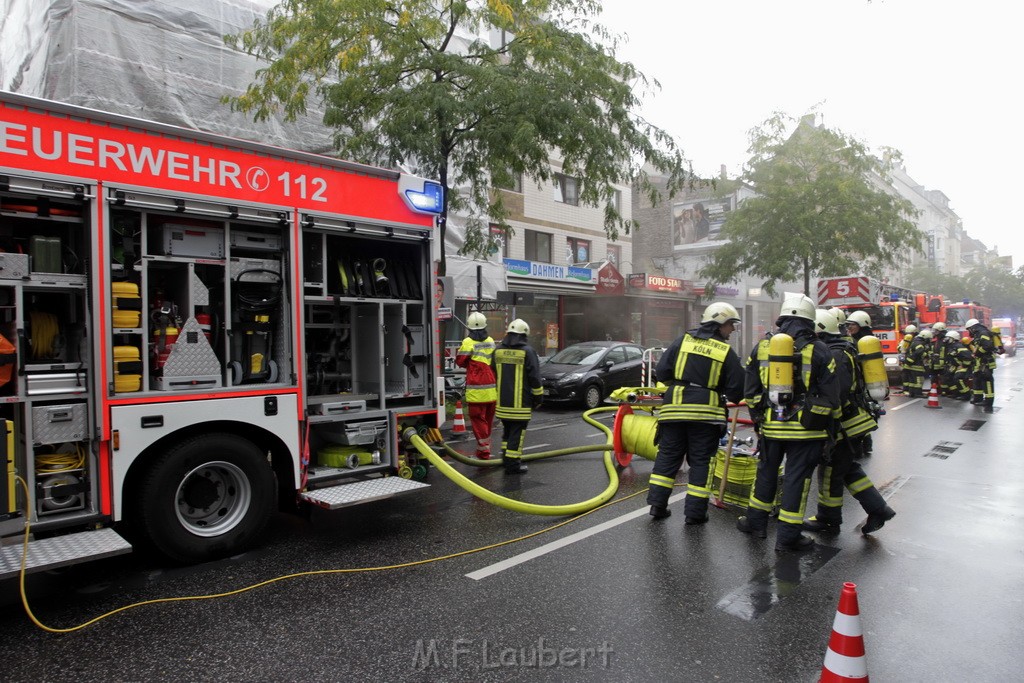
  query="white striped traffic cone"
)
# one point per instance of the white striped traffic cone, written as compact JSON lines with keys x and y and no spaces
{"x":844,"y":659}
{"x":933,"y":398}
{"x":459,"y":426}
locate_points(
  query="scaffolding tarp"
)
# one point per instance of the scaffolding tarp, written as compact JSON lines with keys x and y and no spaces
{"x":151,"y":59}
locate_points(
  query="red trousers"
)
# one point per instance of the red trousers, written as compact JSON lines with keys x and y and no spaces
{"x":481,"y":419}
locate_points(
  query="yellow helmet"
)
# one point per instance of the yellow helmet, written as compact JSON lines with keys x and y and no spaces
{"x":859,"y":318}
{"x":476,"y":321}
{"x":721,"y":313}
{"x":519,"y":326}
{"x":825,"y":321}
{"x":798,"y":307}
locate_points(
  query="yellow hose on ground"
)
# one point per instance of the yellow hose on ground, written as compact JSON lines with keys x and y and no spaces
{"x":486,"y":495}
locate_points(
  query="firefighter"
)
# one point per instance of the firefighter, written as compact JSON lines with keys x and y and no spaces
{"x":959,"y":360}
{"x":840,"y":469}
{"x":698,"y":368}
{"x":918,"y":362}
{"x":481,"y":392}
{"x":983,"y":380}
{"x":794,"y":420}
{"x":901,"y":349}
{"x":517,"y":374}
{"x":840,"y":315}
{"x":939,"y":356}
{"x":858,"y":324}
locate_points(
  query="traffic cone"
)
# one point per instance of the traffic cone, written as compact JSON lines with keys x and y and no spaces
{"x":933,"y":398}
{"x":844,"y":659}
{"x":459,"y":426}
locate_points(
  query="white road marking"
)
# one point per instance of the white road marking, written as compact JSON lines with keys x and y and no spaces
{"x":492,"y":569}
{"x":533,"y":448}
{"x":550,"y":426}
{"x":901,"y":407}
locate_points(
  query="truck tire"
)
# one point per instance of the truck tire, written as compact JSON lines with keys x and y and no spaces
{"x":207,"y":497}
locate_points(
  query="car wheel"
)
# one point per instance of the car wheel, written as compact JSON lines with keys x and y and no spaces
{"x":592,"y":396}
{"x":208,"y":497}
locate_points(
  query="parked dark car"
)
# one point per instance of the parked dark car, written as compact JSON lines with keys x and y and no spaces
{"x":587,"y":372}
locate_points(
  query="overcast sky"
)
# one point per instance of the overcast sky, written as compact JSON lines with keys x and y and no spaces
{"x":936,"y":79}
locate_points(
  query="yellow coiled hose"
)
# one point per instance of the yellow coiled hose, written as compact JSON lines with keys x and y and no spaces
{"x":486,"y":495}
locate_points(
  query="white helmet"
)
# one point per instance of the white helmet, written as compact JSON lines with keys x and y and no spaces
{"x":476,"y":321}
{"x":798,"y":307}
{"x":953,"y":334}
{"x":910,"y":329}
{"x":970,"y":323}
{"x":925,"y":334}
{"x":941,"y":326}
{"x":519,"y":326}
{"x":839,"y":313}
{"x":721,"y":313}
{"x":859,"y":318}
{"x":825,"y":321}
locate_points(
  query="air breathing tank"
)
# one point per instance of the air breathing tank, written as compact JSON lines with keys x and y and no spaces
{"x":869,"y":353}
{"x":780,"y":369}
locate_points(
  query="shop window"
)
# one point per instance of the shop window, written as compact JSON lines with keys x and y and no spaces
{"x":614,"y":254}
{"x":578,"y":250}
{"x":538,"y":246}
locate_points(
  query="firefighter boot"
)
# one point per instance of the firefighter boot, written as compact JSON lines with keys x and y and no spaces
{"x":876,"y":520}
{"x":660,"y":512}
{"x":798,"y":544}
{"x":744,"y":524}
{"x":514,"y":465}
{"x":822,"y":524}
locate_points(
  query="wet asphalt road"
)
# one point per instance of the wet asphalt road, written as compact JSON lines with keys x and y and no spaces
{"x":611,"y":596}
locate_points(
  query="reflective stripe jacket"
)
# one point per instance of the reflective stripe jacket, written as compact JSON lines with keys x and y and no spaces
{"x":984,"y":349}
{"x":855,"y":419}
{"x":919,"y":356}
{"x":698,"y":368}
{"x":517,"y":369}
{"x":475,"y":356}
{"x":814,"y":375}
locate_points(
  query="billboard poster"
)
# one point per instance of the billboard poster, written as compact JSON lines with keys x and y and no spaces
{"x":698,"y":222}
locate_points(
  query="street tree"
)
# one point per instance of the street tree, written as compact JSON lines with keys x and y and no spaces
{"x":822,"y":208}
{"x":425,"y":85}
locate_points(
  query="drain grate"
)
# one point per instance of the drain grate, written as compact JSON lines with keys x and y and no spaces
{"x":972,"y":425}
{"x":943,"y":449}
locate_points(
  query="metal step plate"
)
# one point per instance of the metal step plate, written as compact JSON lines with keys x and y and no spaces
{"x":335,"y":497}
{"x":61,"y":551}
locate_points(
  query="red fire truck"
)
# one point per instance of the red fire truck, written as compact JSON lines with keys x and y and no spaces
{"x":955,"y":315}
{"x":890,"y":307}
{"x":197,"y":329}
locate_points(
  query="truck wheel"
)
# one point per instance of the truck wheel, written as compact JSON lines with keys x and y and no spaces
{"x":592,"y":396}
{"x":208,"y":497}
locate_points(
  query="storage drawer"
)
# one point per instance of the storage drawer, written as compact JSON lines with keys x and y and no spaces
{"x":13,"y":266}
{"x":356,"y":433}
{"x":59,"y":423}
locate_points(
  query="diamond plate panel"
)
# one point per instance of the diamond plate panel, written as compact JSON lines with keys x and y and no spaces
{"x":192,"y":355}
{"x":336,"y":497}
{"x":200,"y":294}
{"x":62,"y":551}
